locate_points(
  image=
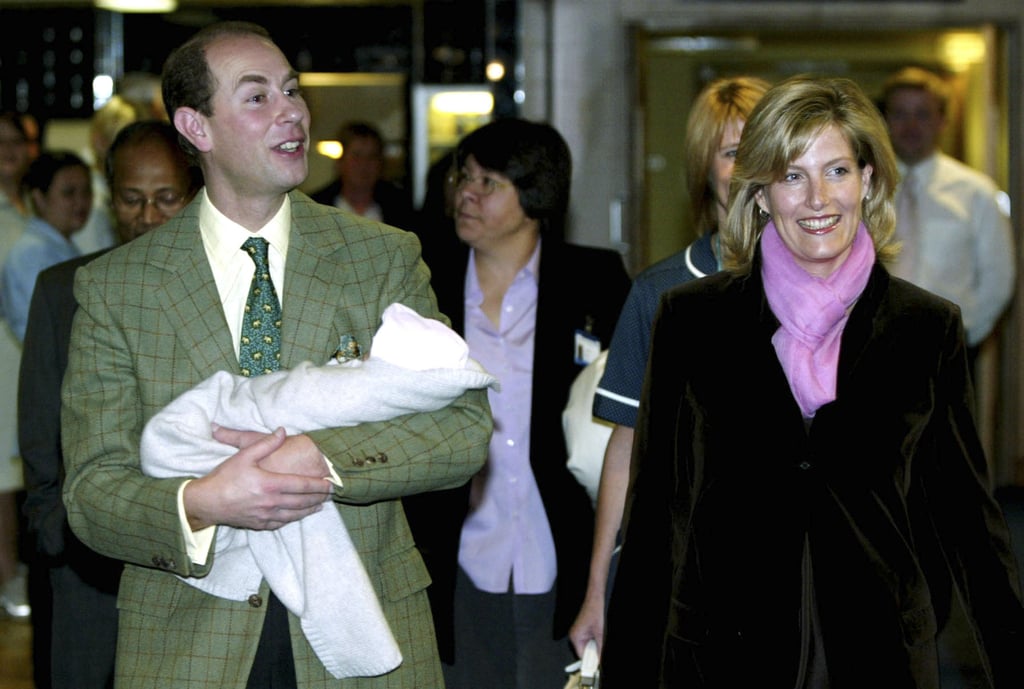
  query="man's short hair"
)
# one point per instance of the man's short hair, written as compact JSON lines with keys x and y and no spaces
{"x":145,"y":131}
{"x":187,"y":82}
{"x":350,"y":131}
{"x":920,"y":79}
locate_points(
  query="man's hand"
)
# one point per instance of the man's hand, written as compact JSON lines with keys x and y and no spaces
{"x":298,"y":455}
{"x":268,"y":483}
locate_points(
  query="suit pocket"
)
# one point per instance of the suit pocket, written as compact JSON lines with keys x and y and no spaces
{"x":402,"y":574}
{"x":149,"y":592}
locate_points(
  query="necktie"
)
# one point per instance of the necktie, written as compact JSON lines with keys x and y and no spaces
{"x":907,"y":225}
{"x":259,"y":353}
{"x":260,"y":350}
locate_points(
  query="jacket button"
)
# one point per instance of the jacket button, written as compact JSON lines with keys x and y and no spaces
{"x":255,"y":601}
{"x":370,"y":459}
{"x":382,"y":458}
{"x":358,"y":461}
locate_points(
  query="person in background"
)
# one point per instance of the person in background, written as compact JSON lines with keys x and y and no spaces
{"x":435,"y":219}
{"x":150,"y":180}
{"x":712,"y":136}
{"x":168,"y":310}
{"x":142,"y":91}
{"x":808,"y":478}
{"x":60,"y":194}
{"x":15,"y":156}
{"x":508,"y":553}
{"x":359,"y":187}
{"x":953,"y":221}
{"x":106,"y":122}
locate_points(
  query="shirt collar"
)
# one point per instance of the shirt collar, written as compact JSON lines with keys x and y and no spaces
{"x":921,"y":169}
{"x":529,"y":271}
{"x":223,"y":237}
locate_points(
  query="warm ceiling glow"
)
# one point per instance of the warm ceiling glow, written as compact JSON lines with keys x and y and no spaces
{"x":330,"y":149}
{"x":963,"y":49}
{"x":495,"y":71}
{"x":137,"y":5}
{"x":463,"y":102}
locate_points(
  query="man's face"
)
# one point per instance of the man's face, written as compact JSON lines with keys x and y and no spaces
{"x":915,"y":123}
{"x":151,"y":184}
{"x":256,"y":137}
{"x":360,"y":165}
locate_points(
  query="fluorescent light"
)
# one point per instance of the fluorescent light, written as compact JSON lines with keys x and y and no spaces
{"x":463,"y":102}
{"x":137,"y":5}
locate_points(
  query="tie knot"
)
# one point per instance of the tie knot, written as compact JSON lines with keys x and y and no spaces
{"x":258,"y":250}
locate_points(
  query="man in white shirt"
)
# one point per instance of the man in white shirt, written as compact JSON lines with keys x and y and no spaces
{"x":954,"y":221}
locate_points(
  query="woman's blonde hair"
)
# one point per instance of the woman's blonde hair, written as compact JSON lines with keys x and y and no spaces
{"x":783,"y":125}
{"x":720,"y":102}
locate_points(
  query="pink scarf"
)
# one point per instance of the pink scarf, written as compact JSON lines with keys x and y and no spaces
{"x":813,"y":312}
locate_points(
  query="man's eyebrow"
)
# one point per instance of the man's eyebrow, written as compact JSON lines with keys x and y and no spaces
{"x":252,"y":79}
{"x":263,"y":80}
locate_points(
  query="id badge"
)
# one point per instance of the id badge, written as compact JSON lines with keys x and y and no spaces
{"x":586,"y":348}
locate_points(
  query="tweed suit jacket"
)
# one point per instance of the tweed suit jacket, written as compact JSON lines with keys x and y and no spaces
{"x":751,"y":534}
{"x":150,"y":326}
{"x":578,"y":287}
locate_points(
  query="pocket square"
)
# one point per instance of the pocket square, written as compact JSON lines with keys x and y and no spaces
{"x":348,"y":350}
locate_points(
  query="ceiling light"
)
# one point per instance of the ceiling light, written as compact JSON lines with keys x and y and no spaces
{"x":137,"y":5}
{"x":463,"y":102}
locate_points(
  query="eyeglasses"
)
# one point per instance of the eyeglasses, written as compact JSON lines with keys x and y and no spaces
{"x":484,"y":185}
{"x":167,"y":203}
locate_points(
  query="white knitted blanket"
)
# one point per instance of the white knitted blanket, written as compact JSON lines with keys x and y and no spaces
{"x":415,"y":365}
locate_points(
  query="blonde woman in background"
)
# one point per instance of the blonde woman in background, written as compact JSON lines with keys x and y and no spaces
{"x":712,"y":136}
{"x":110,"y":119}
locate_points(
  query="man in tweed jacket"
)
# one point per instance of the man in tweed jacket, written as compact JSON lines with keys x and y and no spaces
{"x":163,"y":313}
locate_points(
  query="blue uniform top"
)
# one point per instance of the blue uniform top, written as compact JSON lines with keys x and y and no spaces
{"x":618,"y":394}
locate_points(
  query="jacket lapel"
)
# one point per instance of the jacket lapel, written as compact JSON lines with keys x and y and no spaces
{"x":193,"y":309}
{"x":309,"y":335}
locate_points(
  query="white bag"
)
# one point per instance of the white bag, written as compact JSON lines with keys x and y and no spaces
{"x":586,"y":436}
{"x":585,"y":673}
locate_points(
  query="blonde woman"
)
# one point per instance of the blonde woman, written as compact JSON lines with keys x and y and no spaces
{"x":809,"y":479}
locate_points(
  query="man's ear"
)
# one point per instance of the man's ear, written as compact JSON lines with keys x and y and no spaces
{"x":191,"y":124}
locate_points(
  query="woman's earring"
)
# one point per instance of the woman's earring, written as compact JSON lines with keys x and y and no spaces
{"x":763,"y":212}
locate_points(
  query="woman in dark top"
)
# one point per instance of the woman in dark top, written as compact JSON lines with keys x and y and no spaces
{"x":808,"y":476}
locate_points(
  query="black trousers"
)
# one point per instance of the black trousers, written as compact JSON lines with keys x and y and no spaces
{"x":274,"y":667}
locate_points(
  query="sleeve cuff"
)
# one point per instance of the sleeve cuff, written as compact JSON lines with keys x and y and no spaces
{"x":197,"y":543}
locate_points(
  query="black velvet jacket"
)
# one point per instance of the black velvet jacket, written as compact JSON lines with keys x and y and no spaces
{"x":756,"y":542}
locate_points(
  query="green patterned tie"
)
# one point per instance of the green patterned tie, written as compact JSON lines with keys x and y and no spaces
{"x":260,"y":350}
